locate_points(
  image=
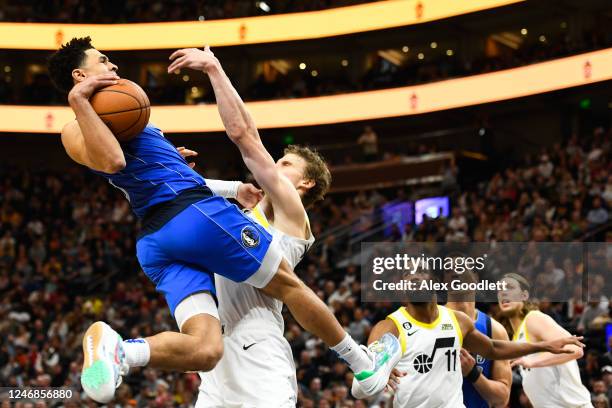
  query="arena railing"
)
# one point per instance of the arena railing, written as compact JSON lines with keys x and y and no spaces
{"x":241,"y":31}
{"x":563,"y":73}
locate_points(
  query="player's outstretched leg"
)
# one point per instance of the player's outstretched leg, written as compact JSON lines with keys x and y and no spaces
{"x":103,"y":362}
{"x":107,"y":357}
{"x":372,"y":366}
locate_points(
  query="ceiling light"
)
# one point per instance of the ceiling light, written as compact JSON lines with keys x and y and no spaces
{"x":314,"y":73}
{"x":344,"y":63}
{"x":302,"y":65}
{"x":405,"y":48}
{"x":542,"y":38}
{"x":185,"y":78}
{"x":434,"y":45}
{"x":263,"y":6}
{"x":450,"y":53}
{"x":524,"y":31}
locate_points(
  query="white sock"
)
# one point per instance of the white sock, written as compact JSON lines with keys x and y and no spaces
{"x":137,"y":352}
{"x":355,"y":357}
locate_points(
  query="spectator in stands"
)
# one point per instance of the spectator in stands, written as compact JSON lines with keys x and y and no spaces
{"x":369,"y":144}
{"x":601,"y":401}
{"x":597,"y":215}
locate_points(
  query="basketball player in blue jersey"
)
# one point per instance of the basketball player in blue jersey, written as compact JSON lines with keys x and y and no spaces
{"x":188,"y":232}
{"x":486,"y":383}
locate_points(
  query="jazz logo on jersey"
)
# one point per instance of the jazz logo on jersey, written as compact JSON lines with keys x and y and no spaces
{"x":250,"y":236}
{"x":423,"y":363}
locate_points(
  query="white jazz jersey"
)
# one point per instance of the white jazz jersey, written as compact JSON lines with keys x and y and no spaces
{"x":239,"y":301}
{"x":552,"y":387}
{"x":430,"y":357}
{"x":257,"y":368}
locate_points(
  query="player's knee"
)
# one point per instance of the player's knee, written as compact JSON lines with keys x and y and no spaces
{"x":207,"y":357}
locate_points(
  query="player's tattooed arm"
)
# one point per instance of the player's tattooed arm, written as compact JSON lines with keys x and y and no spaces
{"x":478,"y":343}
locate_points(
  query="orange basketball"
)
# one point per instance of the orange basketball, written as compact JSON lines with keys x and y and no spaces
{"x":124,"y":108}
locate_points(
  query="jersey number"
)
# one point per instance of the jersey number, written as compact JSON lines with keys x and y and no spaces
{"x":451,"y":355}
{"x":424,"y":363}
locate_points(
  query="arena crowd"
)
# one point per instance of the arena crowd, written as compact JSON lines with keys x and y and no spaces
{"x":67,"y":259}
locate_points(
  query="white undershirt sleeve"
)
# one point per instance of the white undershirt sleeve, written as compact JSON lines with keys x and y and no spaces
{"x":227,"y":189}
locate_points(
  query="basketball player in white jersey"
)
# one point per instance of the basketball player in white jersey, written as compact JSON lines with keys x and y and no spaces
{"x":371,"y":367}
{"x":257,"y":367}
{"x":431,"y":337}
{"x":549,"y":381}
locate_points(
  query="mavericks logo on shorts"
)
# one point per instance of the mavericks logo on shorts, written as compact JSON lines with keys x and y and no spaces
{"x":250,"y":236}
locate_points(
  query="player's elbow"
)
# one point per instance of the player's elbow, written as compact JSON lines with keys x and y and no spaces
{"x":207,"y":357}
{"x":240,"y":133}
{"x":578,"y":352}
{"x":115,"y":165}
{"x":500,"y":398}
{"x":237,"y":131}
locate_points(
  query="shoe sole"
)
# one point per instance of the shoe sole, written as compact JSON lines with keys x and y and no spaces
{"x":373,"y":389}
{"x":96,"y":372}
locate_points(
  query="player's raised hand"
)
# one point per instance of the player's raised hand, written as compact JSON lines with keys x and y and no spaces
{"x":194,"y":58}
{"x":248,"y":195}
{"x":183,"y":151}
{"x":558,"y":346}
{"x":89,"y":85}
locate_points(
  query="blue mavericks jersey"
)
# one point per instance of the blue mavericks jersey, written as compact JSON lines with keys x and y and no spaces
{"x":471,"y":397}
{"x":155,"y":171}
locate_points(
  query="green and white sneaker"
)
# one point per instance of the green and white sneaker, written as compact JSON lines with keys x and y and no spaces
{"x":103,"y":362}
{"x":385,"y":354}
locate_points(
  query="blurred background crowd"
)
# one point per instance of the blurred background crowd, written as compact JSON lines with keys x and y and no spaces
{"x":529,"y":170}
{"x":134,"y":11}
{"x":267,"y":80}
{"x":345,"y":64}
{"x":66,"y":260}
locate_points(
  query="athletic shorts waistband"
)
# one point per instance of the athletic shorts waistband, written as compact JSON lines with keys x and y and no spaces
{"x":158,"y":215}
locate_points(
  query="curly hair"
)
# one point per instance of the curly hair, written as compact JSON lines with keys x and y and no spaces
{"x":69,"y":57}
{"x":316,"y":170}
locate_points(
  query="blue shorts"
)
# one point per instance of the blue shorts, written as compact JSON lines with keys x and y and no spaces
{"x":208,"y":236}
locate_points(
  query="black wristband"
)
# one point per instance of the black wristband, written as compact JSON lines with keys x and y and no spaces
{"x":474,"y":374}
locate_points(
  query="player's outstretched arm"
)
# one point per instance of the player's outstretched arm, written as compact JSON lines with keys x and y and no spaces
{"x":87,"y":140}
{"x":542,"y":327}
{"x":478,"y":343}
{"x":241,"y":129}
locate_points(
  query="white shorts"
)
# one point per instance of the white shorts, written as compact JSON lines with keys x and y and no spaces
{"x":256,"y":371}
